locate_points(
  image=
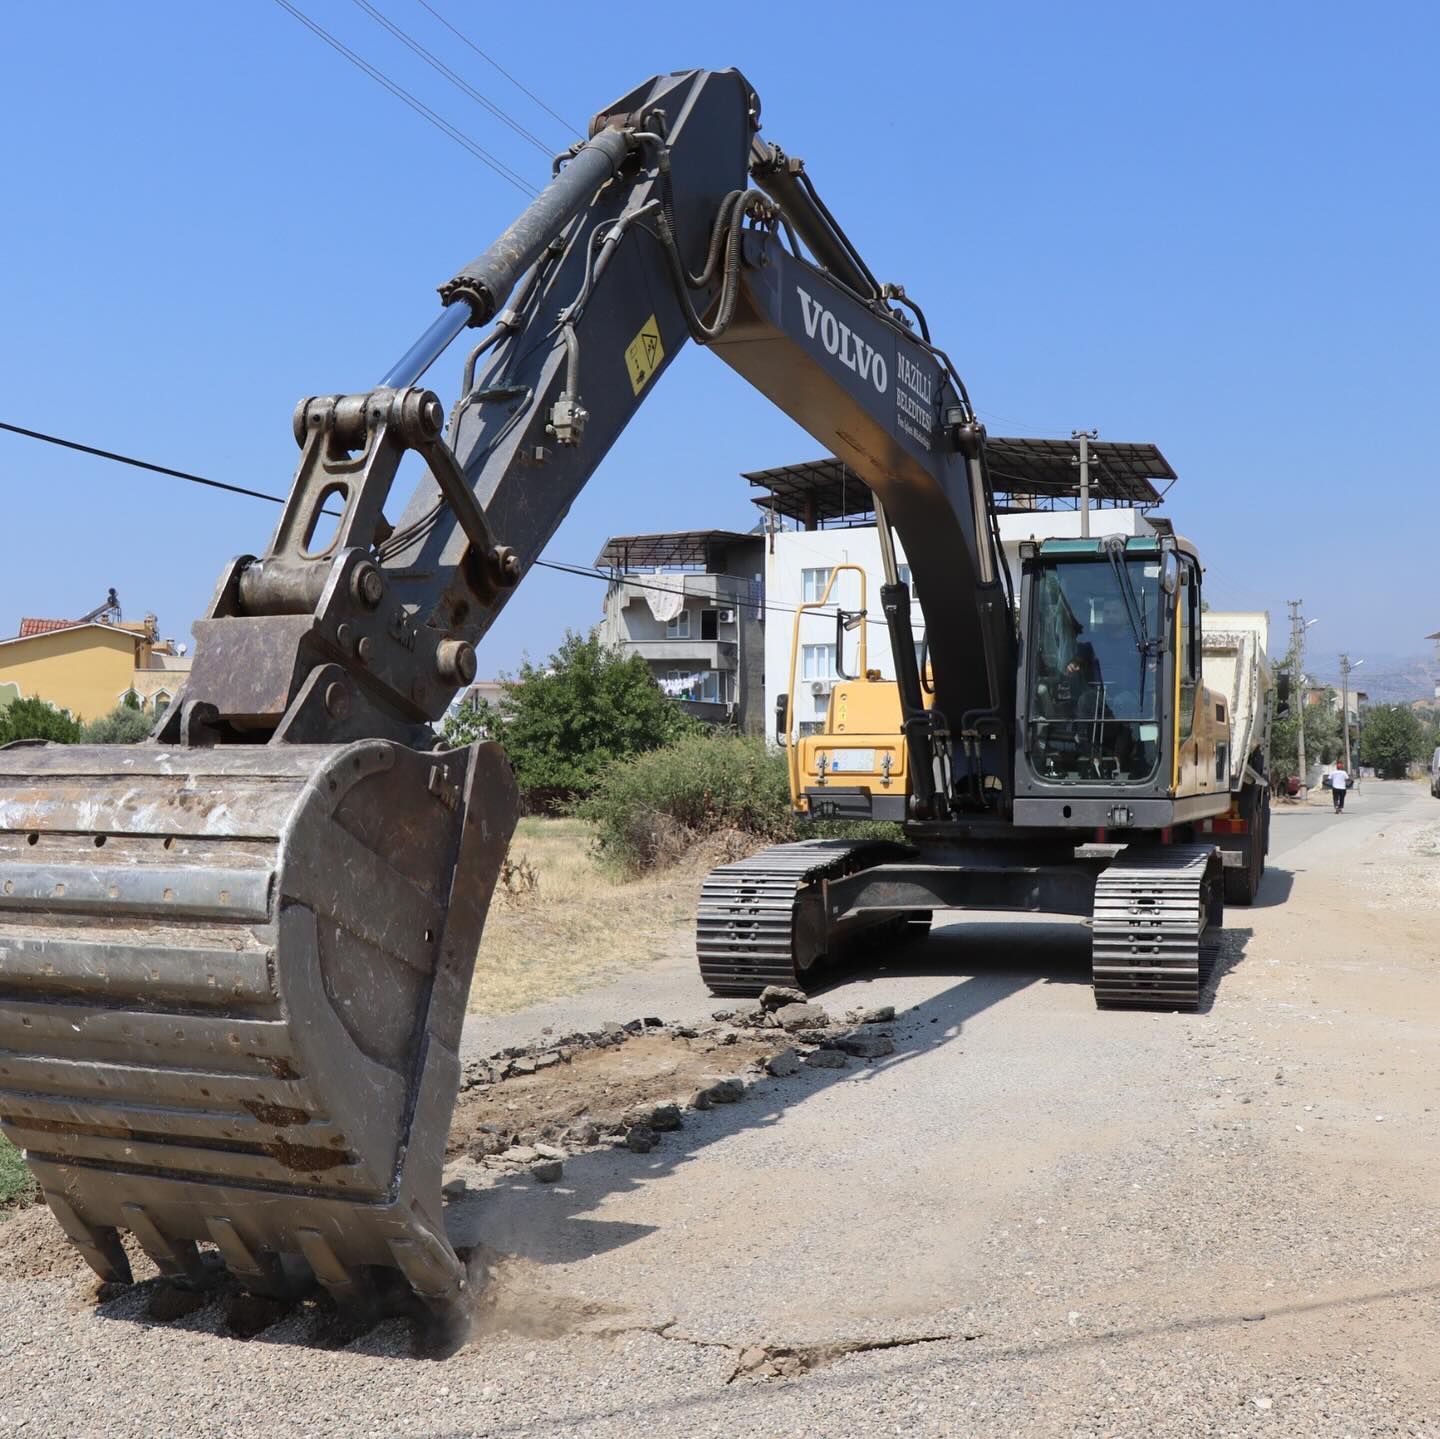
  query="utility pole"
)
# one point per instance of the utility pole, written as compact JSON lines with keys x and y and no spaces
{"x":1345,"y":668}
{"x":1297,"y":660}
{"x":1084,"y":436}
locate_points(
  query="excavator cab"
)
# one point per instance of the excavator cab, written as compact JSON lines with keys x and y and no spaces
{"x":1115,"y":729}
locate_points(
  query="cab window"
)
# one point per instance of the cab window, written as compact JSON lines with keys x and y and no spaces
{"x":1187,"y":649}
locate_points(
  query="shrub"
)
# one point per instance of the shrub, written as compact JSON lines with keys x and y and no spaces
{"x":123,"y":725}
{"x":34,"y":719}
{"x":648,"y":810}
{"x":16,"y":1185}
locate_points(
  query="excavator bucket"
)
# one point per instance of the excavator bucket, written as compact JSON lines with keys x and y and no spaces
{"x":232,"y":982}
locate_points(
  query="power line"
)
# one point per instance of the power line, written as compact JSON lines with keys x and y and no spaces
{"x":441,"y":68}
{"x":419,"y":106}
{"x":138,"y":464}
{"x":1013,"y":420}
{"x":490,"y":60}
{"x":581,"y":571}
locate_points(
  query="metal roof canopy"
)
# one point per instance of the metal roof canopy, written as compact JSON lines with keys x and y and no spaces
{"x":1024,"y":472}
{"x":654,"y":552}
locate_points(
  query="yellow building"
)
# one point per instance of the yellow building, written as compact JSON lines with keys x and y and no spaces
{"x":87,"y":667}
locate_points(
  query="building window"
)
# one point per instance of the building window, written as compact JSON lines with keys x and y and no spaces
{"x":709,"y":624}
{"x":902,"y":573}
{"x":817,"y":662}
{"x":702,"y":686}
{"x":815,"y":582}
{"x":810,"y":727}
{"x":677,"y":627}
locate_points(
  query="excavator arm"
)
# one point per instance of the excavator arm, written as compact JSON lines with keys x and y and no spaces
{"x":234,"y":960}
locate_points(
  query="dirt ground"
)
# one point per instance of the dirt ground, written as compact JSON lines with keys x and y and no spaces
{"x":566,"y":921}
{"x":601,"y":1085}
{"x":1031,"y":1219}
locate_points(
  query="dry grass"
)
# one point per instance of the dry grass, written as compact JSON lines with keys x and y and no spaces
{"x":580,"y":924}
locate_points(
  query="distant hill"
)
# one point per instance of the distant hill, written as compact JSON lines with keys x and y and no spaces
{"x":1386,"y":679}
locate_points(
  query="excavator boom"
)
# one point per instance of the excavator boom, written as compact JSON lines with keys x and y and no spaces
{"x":234,"y":960}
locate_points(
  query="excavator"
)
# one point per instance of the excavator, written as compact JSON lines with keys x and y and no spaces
{"x":234,"y":958}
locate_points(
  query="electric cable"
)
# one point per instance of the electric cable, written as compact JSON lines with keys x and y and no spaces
{"x":490,"y":60}
{"x":458,"y":81}
{"x":587,"y":572}
{"x":419,"y":106}
{"x":139,"y":464}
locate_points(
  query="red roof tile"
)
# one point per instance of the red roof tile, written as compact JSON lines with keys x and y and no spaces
{"x":44,"y":627}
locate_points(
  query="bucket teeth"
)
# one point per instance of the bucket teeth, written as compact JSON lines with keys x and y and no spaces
{"x":232,"y":983}
{"x":345,"y":1286}
{"x":99,"y":1244}
{"x":174,"y":1258}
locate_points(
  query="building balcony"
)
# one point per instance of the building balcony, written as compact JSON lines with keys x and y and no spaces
{"x":716,"y":714}
{"x":722,"y":591}
{"x":691,"y":654}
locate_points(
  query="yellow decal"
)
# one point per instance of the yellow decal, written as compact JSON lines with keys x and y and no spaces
{"x":643,"y":354}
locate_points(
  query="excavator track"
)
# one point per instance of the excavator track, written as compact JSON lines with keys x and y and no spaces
{"x":231,"y":988}
{"x":754,"y":926}
{"x":1152,"y":910}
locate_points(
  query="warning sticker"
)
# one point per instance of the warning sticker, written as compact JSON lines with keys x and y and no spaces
{"x":643,"y":354}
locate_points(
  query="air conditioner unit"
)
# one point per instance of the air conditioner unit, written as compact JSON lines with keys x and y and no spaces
{"x":820,"y":687}
{"x":726,"y":617}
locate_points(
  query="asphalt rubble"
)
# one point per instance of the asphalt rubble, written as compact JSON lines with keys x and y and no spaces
{"x":788,"y":1032}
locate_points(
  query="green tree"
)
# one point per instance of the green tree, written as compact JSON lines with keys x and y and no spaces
{"x":563,"y":723}
{"x":1323,"y":740}
{"x":125,"y":724}
{"x":1391,"y":737}
{"x":34,"y":719}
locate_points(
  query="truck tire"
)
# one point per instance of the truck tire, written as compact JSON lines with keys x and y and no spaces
{"x":1242,"y":884}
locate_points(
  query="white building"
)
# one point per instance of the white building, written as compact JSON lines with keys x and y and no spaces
{"x":830,"y":523}
{"x":691,"y":605}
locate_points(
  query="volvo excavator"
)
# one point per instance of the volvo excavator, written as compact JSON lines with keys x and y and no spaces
{"x":234,"y":958}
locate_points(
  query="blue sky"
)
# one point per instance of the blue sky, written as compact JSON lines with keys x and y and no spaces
{"x":1214,"y":227}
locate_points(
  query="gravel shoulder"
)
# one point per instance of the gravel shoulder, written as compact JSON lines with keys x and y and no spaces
{"x":1030,"y":1218}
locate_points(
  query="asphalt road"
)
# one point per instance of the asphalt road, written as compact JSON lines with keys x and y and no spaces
{"x":1297,"y":831}
{"x":1045,"y":947}
{"x":1092,"y":1187}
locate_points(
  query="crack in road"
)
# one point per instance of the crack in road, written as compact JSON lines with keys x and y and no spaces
{"x":788,"y":1361}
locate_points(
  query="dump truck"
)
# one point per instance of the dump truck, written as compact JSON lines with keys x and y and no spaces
{"x":1237,"y":671}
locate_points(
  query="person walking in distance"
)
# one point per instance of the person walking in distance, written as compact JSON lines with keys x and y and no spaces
{"x":1339,"y":781}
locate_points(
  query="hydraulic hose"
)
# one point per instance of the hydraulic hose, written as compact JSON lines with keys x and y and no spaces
{"x":729,"y":223}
